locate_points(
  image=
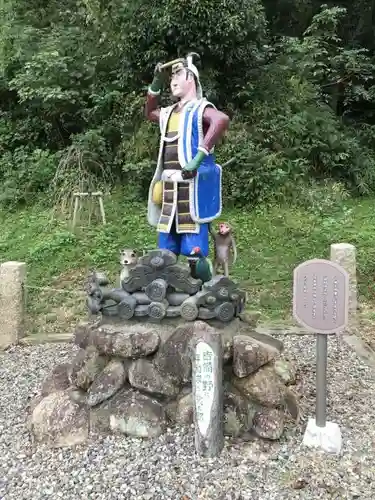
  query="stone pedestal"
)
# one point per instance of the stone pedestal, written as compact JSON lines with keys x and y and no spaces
{"x":12,"y":278}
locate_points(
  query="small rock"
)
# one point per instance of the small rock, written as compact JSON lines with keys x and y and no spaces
{"x":107,"y":383}
{"x":59,"y":422}
{"x":173,"y":356}
{"x":143,"y":375}
{"x":250,"y":317}
{"x":249,"y":355}
{"x":87,"y":365}
{"x":78,"y":396}
{"x":269,"y":423}
{"x":286,"y":371}
{"x":57,"y":380}
{"x":264,"y":386}
{"x":227,"y":350}
{"x":33,"y":402}
{"x":185,"y":410}
{"x":299,"y":483}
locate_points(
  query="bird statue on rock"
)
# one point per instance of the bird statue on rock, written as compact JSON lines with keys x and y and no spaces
{"x":203,"y":269}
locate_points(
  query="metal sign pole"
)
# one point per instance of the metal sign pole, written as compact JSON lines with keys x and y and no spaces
{"x":321,"y":304}
{"x":321,"y":380}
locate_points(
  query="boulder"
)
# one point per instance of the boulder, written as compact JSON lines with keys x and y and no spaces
{"x":123,"y":341}
{"x":87,"y":365}
{"x":263,"y":387}
{"x":144,"y":375}
{"x":57,"y":380}
{"x":291,"y":405}
{"x":107,"y":383}
{"x":261,"y":336}
{"x":58,"y":422}
{"x":238,"y":412}
{"x":102,"y":340}
{"x":249,"y":355}
{"x":137,"y":341}
{"x":269,"y":423}
{"x":82,"y":334}
{"x":129,"y":413}
{"x":173,"y":357}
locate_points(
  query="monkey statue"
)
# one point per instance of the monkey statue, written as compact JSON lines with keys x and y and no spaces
{"x":128,"y":259}
{"x":225,"y":250}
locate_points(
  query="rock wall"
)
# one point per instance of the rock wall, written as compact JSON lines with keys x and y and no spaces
{"x":136,"y":380}
{"x":158,"y":287}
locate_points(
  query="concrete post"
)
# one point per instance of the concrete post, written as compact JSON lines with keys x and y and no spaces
{"x":344,"y":254}
{"x":12,"y":306}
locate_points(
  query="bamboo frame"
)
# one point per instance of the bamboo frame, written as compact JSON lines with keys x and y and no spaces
{"x":78,"y":198}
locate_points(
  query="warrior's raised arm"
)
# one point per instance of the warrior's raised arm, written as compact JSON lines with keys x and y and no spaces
{"x":152,"y":108}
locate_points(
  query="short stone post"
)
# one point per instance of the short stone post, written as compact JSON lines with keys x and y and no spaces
{"x":12,"y":306}
{"x":344,"y":254}
{"x":207,"y":362}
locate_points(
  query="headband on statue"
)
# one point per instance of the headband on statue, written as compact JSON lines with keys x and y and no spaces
{"x":188,"y":64}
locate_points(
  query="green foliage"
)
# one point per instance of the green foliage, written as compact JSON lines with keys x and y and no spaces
{"x":23,"y":174}
{"x":299,"y":87}
{"x":288,"y":130}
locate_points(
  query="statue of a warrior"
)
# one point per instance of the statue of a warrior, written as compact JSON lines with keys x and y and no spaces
{"x":185,"y":192}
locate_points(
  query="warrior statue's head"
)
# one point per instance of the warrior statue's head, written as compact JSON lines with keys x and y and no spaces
{"x":185,"y":82}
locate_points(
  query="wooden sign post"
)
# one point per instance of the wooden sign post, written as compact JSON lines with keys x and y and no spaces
{"x":321,"y":305}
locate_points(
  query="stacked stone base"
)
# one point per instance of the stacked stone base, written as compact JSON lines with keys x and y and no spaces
{"x":136,"y":380}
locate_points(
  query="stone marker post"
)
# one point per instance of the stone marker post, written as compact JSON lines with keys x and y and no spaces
{"x":12,"y":278}
{"x":207,"y":362}
{"x":344,"y":254}
{"x":320,"y":304}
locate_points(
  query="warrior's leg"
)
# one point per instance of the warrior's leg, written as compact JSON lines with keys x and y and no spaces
{"x":191,"y":240}
{"x":170,"y":241}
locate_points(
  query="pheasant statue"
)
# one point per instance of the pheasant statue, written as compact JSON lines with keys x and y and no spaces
{"x":203,"y":268}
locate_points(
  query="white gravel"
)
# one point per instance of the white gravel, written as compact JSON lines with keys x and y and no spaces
{"x":167,"y":468}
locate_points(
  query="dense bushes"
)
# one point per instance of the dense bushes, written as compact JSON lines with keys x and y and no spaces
{"x":72,"y":82}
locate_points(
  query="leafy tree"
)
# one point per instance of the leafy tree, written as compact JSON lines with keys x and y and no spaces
{"x":296,"y":77}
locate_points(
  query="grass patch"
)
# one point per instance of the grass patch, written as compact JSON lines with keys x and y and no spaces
{"x":271,"y":241}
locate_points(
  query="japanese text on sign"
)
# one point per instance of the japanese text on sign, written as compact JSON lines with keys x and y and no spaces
{"x":321,"y":295}
{"x":204,"y":385}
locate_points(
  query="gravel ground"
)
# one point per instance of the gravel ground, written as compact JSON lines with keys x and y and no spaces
{"x":167,"y":468}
